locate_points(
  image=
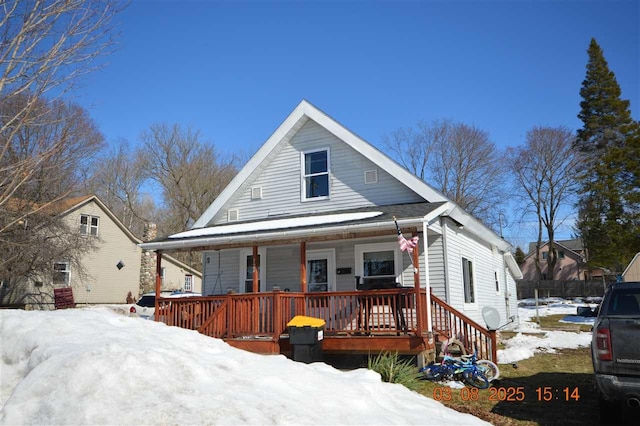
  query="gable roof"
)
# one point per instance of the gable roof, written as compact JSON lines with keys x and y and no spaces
{"x":290,"y":126}
{"x":67,"y":205}
{"x":565,"y":244}
{"x":635,"y":258}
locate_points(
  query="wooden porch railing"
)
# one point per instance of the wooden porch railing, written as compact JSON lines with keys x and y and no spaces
{"x":377,"y":312}
{"x":351,"y":313}
{"x":451,"y":323}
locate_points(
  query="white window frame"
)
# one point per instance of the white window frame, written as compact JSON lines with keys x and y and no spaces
{"x":303,"y":176}
{"x":66,"y":271}
{"x":371,"y":176}
{"x":330,"y":255}
{"x":89,"y":229}
{"x":474,"y":281}
{"x":262,"y":252}
{"x":361,"y":249}
{"x":188,"y":282}
{"x":256,"y":192}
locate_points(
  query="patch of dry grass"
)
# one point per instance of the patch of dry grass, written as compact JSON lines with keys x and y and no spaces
{"x":516,"y":400}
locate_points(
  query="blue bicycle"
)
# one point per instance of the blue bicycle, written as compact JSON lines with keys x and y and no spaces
{"x":466,"y":368}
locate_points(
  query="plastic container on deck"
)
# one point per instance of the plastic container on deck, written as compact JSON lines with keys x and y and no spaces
{"x":306,"y":335}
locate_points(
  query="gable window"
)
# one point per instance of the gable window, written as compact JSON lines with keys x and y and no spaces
{"x":545,"y":254}
{"x":560,"y":255}
{"x":62,"y":273}
{"x":89,"y":225}
{"x":188,"y":282}
{"x":467,"y":278}
{"x":315,"y":174}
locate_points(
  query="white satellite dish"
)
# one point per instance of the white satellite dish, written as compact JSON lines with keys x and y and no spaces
{"x":491,"y":317}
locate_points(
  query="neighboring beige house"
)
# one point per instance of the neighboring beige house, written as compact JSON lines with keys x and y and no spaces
{"x":632,"y":272}
{"x":116,"y":267}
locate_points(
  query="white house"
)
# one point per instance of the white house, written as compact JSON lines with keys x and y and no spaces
{"x":313,"y":211}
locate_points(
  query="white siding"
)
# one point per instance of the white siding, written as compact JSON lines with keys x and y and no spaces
{"x":221,"y":271}
{"x":283,"y":266}
{"x":280,"y":179}
{"x":436,"y":266}
{"x":485,"y":262}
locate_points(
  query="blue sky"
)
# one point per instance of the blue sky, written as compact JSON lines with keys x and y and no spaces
{"x":234,"y":70}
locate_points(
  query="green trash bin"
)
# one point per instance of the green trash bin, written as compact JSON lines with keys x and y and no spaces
{"x":306,"y":335}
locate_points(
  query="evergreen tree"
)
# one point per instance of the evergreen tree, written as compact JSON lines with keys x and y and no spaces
{"x":608,"y":144}
{"x":519,"y":256}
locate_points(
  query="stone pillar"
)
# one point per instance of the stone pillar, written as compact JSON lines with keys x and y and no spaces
{"x":148,"y":261}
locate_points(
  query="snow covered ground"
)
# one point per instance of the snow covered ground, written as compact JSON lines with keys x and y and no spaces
{"x":94,"y":366}
{"x":531,"y":339}
{"x":97,"y":366}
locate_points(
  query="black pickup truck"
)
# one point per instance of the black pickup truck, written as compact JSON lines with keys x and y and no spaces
{"x":615,"y":348}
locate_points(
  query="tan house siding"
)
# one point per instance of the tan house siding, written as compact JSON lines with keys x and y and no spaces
{"x":99,"y":280}
{"x":174,"y":276}
{"x":632,"y":272}
{"x":104,"y":282}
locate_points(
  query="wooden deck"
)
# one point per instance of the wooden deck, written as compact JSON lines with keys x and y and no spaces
{"x":356,"y":321}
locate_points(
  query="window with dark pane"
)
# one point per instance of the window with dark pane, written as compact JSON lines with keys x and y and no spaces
{"x":316,"y":174}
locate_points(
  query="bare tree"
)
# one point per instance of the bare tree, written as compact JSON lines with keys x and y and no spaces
{"x":412,"y":147}
{"x":30,"y":249}
{"x":45,"y":47}
{"x":32,"y":234}
{"x":118,"y":180}
{"x":459,"y":160}
{"x":545,"y":170}
{"x":190,"y":172}
{"x":67,"y":135}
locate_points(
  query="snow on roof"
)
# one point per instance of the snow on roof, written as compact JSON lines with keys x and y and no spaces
{"x":267,"y":225}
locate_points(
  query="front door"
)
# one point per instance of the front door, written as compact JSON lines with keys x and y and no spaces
{"x":321,"y":270}
{"x":246,"y":270}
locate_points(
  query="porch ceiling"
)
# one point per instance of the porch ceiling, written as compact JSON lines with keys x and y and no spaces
{"x":267,"y":232}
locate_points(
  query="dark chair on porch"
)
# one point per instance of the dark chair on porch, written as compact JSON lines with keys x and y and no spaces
{"x":367,"y":302}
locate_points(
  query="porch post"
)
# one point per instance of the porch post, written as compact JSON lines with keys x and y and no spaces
{"x":416,"y":286}
{"x":256,"y":286}
{"x":427,"y":280}
{"x":158,"y":283}
{"x":303,"y":266}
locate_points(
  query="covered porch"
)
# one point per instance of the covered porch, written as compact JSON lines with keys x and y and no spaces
{"x":398,"y":313}
{"x":357,"y":322}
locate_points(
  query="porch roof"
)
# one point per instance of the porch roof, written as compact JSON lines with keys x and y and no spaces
{"x":282,"y":228}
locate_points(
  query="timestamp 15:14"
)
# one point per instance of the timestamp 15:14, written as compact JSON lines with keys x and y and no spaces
{"x":548,"y":393}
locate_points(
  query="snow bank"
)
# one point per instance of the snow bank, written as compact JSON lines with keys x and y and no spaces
{"x":93,"y":366}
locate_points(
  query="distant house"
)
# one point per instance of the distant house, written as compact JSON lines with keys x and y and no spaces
{"x":632,"y":271}
{"x":116,"y":267}
{"x":571,"y":264}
